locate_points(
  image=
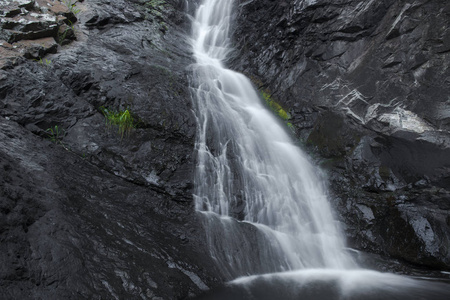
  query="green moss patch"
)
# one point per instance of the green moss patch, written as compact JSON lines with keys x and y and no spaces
{"x":274,"y":106}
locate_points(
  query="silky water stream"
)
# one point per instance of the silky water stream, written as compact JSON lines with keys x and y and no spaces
{"x":263,"y":205}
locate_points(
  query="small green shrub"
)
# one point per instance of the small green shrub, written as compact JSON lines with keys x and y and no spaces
{"x":122,"y":119}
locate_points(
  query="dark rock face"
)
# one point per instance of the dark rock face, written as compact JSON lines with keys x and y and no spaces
{"x":84,"y":212}
{"x":88,"y":214}
{"x":366,"y":84}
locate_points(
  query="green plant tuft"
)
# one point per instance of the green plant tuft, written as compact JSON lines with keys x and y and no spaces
{"x":71,"y":6}
{"x":55,"y":133}
{"x":122,"y":119}
{"x":64,"y":30}
{"x":44,"y":62}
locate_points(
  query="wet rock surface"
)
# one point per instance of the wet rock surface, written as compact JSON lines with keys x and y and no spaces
{"x":33,"y":29}
{"x":366,"y":85}
{"x":86,"y":212}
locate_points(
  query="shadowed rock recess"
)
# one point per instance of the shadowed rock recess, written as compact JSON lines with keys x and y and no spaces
{"x":366,"y":85}
{"x":86,"y":213}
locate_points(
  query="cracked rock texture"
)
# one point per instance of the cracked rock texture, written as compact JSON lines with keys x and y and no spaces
{"x":88,"y":214}
{"x":85,"y":213}
{"x":367,"y":86}
{"x":33,"y":28}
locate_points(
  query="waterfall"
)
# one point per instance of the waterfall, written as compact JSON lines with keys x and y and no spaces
{"x":264,"y":206}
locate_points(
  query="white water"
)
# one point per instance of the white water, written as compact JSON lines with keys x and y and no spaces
{"x":264,"y":208}
{"x":250,"y":170}
{"x":313,"y":284}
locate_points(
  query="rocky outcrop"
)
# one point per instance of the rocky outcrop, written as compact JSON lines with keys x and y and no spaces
{"x":366,"y":84}
{"x":31,"y":29}
{"x":85,"y":212}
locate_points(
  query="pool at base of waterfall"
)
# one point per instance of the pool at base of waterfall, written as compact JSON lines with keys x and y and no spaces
{"x":330,"y":284}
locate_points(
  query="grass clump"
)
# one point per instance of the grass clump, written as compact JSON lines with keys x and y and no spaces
{"x":71,"y":6}
{"x":122,"y":119}
{"x":55,"y":134}
{"x":44,"y":62}
{"x":66,"y":29}
{"x":66,"y":33}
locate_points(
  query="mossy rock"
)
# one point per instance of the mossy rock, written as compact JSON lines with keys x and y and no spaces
{"x":275,"y":106}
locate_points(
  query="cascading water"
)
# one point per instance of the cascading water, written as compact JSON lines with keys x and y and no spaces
{"x":264,"y":207}
{"x":249,"y":169}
